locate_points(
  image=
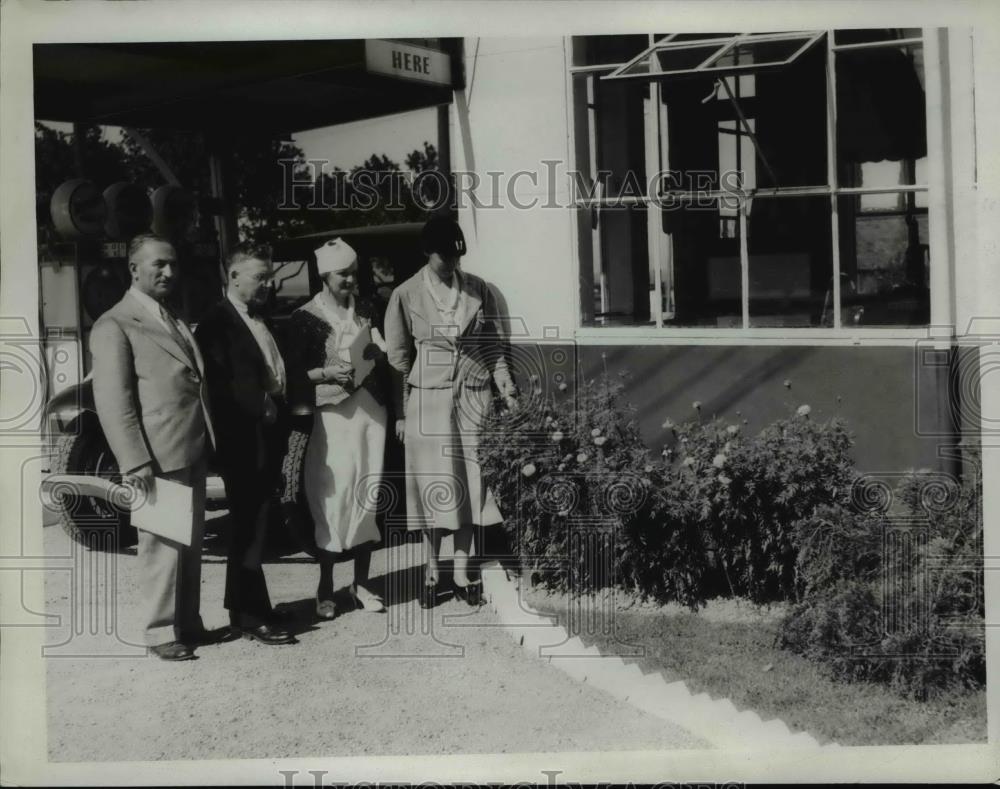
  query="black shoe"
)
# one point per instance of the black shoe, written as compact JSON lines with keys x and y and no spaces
{"x":281,"y":618}
{"x":174,"y":650}
{"x":204,"y":638}
{"x":428,"y":595}
{"x":268,"y":634}
{"x":472,"y":594}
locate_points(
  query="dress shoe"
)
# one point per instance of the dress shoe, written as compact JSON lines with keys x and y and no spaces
{"x":204,"y":638}
{"x":428,"y":595}
{"x":280,"y":617}
{"x":326,"y":609}
{"x":471,"y":594}
{"x":268,"y":634}
{"x":174,"y":650}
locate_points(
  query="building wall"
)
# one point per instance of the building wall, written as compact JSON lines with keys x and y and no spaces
{"x":512,"y":116}
{"x":894,"y":396}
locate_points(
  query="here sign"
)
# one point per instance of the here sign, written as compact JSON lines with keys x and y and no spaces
{"x":408,"y":61}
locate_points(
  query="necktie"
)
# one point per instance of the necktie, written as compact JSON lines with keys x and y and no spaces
{"x":175,"y":331}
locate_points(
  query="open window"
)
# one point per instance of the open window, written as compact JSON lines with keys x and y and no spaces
{"x":752,"y":180}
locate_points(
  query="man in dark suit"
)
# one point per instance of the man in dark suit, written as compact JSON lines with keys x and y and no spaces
{"x":246,"y":383}
{"x":149,"y":391}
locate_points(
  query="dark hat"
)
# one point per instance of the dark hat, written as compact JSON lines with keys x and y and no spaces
{"x":444,"y":236}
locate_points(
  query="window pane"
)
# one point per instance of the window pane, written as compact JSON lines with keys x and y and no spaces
{"x":693,"y":36}
{"x":881,"y":116}
{"x":883,"y":34}
{"x":621,"y":285}
{"x":702,"y":243}
{"x":751,"y":53}
{"x":786,"y":108}
{"x":884,"y":260}
{"x":597,"y":50}
{"x":791,"y":267}
{"x":686,"y":57}
{"x":620,"y":135}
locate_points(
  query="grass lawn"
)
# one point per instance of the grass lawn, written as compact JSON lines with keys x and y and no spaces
{"x":728,"y":650}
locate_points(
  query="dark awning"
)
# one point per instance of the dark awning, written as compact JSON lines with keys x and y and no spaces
{"x":276,"y":86}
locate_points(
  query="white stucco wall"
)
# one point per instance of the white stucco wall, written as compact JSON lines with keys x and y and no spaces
{"x":512,"y":116}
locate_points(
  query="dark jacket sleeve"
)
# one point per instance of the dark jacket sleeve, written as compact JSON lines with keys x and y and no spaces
{"x":301,"y":391}
{"x":234,"y":381}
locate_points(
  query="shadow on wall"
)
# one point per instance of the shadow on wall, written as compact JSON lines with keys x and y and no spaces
{"x":876,"y":391}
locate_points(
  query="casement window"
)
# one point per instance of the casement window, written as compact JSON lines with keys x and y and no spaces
{"x":740,"y":181}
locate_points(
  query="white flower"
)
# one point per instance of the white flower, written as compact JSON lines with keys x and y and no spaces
{"x":549,"y":420}
{"x":599,"y":441}
{"x":568,"y":458}
{"x":582,"y":457}
{"x":719,"y":461}
{"x":696,"y":405}
{"x":724,"y":479}
{"x":563,"y":387}
{"x":733,"y":429}
{"x":562,"y":466}
{"x":595,"y":432}
{"x":804,"y":410}
{"x":557,"y":436}
{"x":529,"y":470}
{"x":787,"y":383}
{"x":647,"y":468}
{"x":688,"y":461}
{"x":564,"y":513}
{"x":668,"y":424}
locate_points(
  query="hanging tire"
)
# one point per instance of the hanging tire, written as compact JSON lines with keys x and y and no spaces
{"x":90,"y":520}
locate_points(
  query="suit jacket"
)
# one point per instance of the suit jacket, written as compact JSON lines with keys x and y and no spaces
{"x":312,"y":344}
{"x":150,"y":395}
{"x":238,"y":381}
{"x":476,"y":358}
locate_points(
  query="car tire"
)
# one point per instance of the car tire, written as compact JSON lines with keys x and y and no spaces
{"x":90,"y":520}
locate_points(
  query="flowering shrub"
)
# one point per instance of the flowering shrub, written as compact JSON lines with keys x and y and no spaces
{"x":714,"y":513}
{"x":910,"y":618}
{"x":748,"y":493}
{"x":569,"y":476}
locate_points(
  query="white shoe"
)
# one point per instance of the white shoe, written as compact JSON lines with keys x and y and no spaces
{"x":368,"y":601}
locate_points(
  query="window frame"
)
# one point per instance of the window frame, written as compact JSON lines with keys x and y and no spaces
{"x":940,"y":287}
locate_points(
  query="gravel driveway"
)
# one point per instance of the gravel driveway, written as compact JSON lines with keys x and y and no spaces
{"x":363,"y":684}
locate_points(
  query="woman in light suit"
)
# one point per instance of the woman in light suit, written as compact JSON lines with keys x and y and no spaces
{"x":443,"y":337}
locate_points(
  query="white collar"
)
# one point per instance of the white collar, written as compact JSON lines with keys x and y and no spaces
{"x":454,"y":290}
{"x":147,"y":301}
{"x":241,"y":306}
{"x":332,"y":310}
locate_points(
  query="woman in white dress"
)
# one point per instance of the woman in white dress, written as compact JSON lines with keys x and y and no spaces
{"x":338,"y":361}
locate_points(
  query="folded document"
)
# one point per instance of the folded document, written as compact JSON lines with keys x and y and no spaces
{"x":168,"y":513}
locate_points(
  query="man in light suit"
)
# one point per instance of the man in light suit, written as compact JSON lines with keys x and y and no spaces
{"x":150,"y":393}
{"x":246,"y":383}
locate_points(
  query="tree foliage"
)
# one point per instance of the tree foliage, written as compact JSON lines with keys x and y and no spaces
{"x":261,"y":169}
